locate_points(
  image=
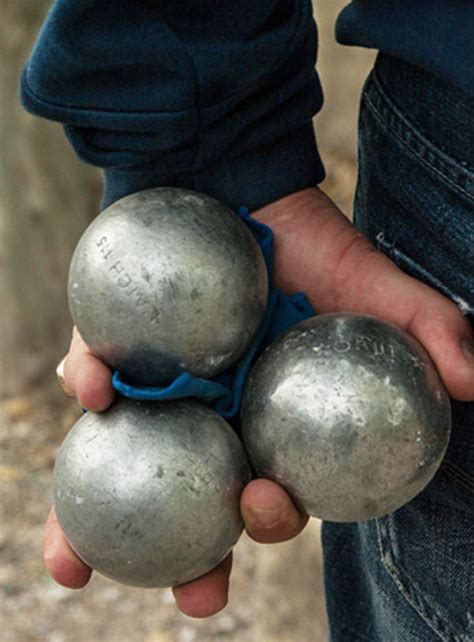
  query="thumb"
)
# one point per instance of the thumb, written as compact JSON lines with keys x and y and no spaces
{"x":447,"y":336}
{"x":269,"y":514}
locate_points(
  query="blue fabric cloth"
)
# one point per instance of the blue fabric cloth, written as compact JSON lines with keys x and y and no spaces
{"x":434,"y":35}
{"x":409,"y":576}
{"x":224,"y":393}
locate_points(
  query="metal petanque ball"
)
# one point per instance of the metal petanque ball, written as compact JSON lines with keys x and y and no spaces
{"x":348,"y":413}
{"x":165,"y":281}
{"x":148,"y":493}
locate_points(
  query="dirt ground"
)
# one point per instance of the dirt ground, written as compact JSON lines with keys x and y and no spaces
{"x":276,"y":592}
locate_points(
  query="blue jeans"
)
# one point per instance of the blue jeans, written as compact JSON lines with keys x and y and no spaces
{"x":409,"y":576}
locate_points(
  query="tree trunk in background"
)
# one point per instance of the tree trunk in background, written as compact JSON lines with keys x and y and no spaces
{"x":47,"y":198}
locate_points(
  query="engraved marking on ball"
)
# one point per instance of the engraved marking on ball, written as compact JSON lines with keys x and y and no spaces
{"x":366,"y":344}
{"x":155,"y":313}
{"x":105,"y":248}
{"x":417,"y":363}
{"x":123,"y":279}
{"x":342,"y":346}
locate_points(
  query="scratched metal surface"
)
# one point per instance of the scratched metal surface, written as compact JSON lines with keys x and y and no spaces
{"x":348,"y":413}
{"x":166,"y":281}
{"x":148,"y":493}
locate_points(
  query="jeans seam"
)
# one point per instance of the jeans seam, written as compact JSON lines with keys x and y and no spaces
{"x":457,"y":230}
{"x":434,"y":621}
{"x":458,"y":475}
{"x":405,"y":261}
{"x":410,"y":149}
{"x":459,"y":166}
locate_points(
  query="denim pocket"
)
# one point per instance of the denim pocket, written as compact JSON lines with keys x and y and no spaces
{"x":413,"y":201}
{"x":426,"y":548}
{"x":416,"y":205}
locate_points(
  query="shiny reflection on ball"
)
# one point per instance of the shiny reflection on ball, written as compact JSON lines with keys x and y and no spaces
{"x":148,"y":493}
{"x":166,"y":281}
{"x":348,"y":413}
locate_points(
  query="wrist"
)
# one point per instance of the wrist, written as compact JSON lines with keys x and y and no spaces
{"x":312,"y":239}
{"x":260,"y":175}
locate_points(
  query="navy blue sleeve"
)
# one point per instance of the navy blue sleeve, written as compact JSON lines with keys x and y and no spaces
{"x":435,"y":35}
{"x":210,"y":95}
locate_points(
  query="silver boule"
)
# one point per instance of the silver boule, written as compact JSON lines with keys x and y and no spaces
{"x":348,"y":413}
{"x":148,"y":493}
{"x":165,"y":281}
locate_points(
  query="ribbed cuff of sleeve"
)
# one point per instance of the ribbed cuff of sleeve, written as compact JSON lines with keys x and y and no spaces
{"x":253,"y":179}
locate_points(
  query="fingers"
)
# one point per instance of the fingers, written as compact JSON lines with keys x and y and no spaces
{"x":447,"y":336}
{"x":436,"y":321}
{"x":269,"y":514}
{"x":373,"y":284}
{"x":62,"y":563}
{"x":88,"y":378}
{"x":90,"y":381}
{"x":367,"y":281}
{"x":208,"y":594}
{"x":201,"y":598}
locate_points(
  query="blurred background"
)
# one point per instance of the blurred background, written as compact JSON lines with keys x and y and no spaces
{"x":47,"y":198}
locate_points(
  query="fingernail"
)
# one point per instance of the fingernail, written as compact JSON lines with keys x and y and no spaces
{"x":266,"y":517}
{"x":468,"y":349}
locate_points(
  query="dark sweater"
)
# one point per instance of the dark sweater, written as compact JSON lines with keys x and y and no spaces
{"x":214,"y":95}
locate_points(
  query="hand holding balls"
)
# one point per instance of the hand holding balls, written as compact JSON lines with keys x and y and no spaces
{"x":162,"y":282}
{"x":345,"y":411}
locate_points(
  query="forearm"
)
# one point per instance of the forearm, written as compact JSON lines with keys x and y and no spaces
{"x":316,"y":247}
